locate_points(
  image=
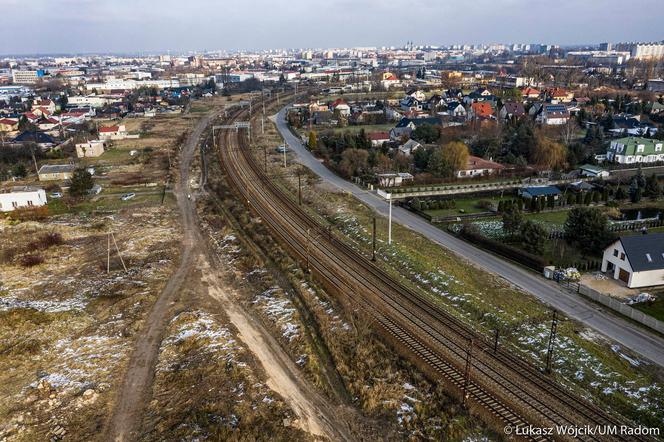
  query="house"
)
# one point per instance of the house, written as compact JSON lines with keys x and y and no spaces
{"x":631,"y":125}
{"x":531,"y":192}
{"x":477,"y":166}
{"x":40,"y":138}
{"x":480,"y":110}
{"x":340,"y":106}
{"x":416,"y":94}
{"x":47,"y":105}
{"x":113,"y":133}
{"x":378,"y":138}
{"x":21,"y":197}
{"x":635,"y":150}
{"x":90,"y":149}
{"x":592,"y":171}
{"x":456,"y":109}
{"x":560,"y":95}
{"x":550,"y":114}
{"x":393,"y":179}
{"x":406,"y":126}
{"x":409,"y":147}
{"x":511,"y":110}
{"x":636,"y":260}
{"x":410,"y":103}
{"x":56,"y":172}
{"x":7,"y":125}
{"x":389,"y":80}
{"x":530,"y":93}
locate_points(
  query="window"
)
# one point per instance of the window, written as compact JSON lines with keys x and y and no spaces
{"x":14,"y":204}
{"x":658,"y":147}
{"x":615,"y":252}
{"x":30,"y":203}
{"x":648,"y":257}
{"x":640,"y":148}
{"x":622,"y":256}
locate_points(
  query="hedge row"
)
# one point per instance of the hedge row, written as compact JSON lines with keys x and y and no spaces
{"x":529,"y":260}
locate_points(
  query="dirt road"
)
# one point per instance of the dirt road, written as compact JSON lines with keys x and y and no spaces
{"x":315,"y":415}
{"x":135,"y":388}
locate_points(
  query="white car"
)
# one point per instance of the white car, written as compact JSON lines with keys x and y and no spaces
{"x":56,"y":194}
{"x":127,"y":196}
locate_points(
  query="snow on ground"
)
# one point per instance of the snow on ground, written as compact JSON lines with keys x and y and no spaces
{"x":569,"y":357}
{"x":200,"y":328}
{"x":280,"y":310}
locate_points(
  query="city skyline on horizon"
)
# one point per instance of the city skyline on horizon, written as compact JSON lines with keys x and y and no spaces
{"x":147,"y":26}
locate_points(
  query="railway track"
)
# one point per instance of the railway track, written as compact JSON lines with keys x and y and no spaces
{"x":498,"y":385}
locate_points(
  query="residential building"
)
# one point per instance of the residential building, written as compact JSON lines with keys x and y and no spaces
{"x":113,"y":132}
{"x":477,"y":167}
{"x":378,"y":138}
{"x":90,"y":149}
{"x":26,"y":77}
{"x":539,"y":192}
{"x":409,"y":147}
{"x":7,"y":125}
{"x":550,"y":114}
{"x":21,"y":197}
{"x":511,"y":110}
{"x":592,"y":171}
{"x":629,"y":150}
{"x":637,"y":260}
{"x":56,"y":172}
{"x":480,"y":110}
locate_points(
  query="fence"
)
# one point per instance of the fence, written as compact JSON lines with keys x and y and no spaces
{"x":622,"y":226}
{"x":621,"y":308}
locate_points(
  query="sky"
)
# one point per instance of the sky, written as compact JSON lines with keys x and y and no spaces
{"x":141,"y":26}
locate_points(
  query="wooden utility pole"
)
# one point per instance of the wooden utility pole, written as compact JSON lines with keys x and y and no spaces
{"x":108,"y":253}
{"x":117,"y":249}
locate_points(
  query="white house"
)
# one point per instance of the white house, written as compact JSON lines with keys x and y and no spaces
{"x":21,"y":197}
{"x":113,"y":133}
{"x":636,"y":260}
{"x":90,"y":149}
{"x":477,"y":166}
{"x":409,"y":147}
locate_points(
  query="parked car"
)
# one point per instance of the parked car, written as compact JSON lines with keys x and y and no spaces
{"x":282,"y":149}
{"x":96,"y":190}
{"x":127,"y":196}
{"x":56,"y":194}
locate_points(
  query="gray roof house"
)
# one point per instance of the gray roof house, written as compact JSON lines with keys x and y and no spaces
{"x":637,"y":260}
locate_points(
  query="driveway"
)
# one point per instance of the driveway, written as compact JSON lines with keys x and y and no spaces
{"x":633,"y":337}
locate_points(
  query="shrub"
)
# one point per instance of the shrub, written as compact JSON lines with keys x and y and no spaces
{"x":484,"y":204}
{"x":31,"y":260}
{"x":46,"y":241}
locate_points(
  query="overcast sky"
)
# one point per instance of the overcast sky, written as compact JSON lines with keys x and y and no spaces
{"x":63,"y":26}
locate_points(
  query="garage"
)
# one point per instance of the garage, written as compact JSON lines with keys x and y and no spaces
{"x":623,"y":275}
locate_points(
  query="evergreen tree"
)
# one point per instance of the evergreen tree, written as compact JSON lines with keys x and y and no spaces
{"x":81,"y":182}
{"x":652,"y":189}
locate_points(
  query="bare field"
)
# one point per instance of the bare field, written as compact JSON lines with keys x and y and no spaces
{"x":67,"y":326}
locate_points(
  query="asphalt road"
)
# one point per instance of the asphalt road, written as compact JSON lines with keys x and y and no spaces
{"x":639,"y":340}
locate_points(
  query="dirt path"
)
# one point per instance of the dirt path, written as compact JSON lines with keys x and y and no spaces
{"x":135,"y":388}
{"x":315,"y":415}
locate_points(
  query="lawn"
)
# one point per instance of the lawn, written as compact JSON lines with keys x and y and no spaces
{"x":464,"y":206}
{"x":656,"y":309}
{"x":558,"y":217}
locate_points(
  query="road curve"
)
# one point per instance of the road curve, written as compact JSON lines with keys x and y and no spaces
{"x":633,"y":337}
